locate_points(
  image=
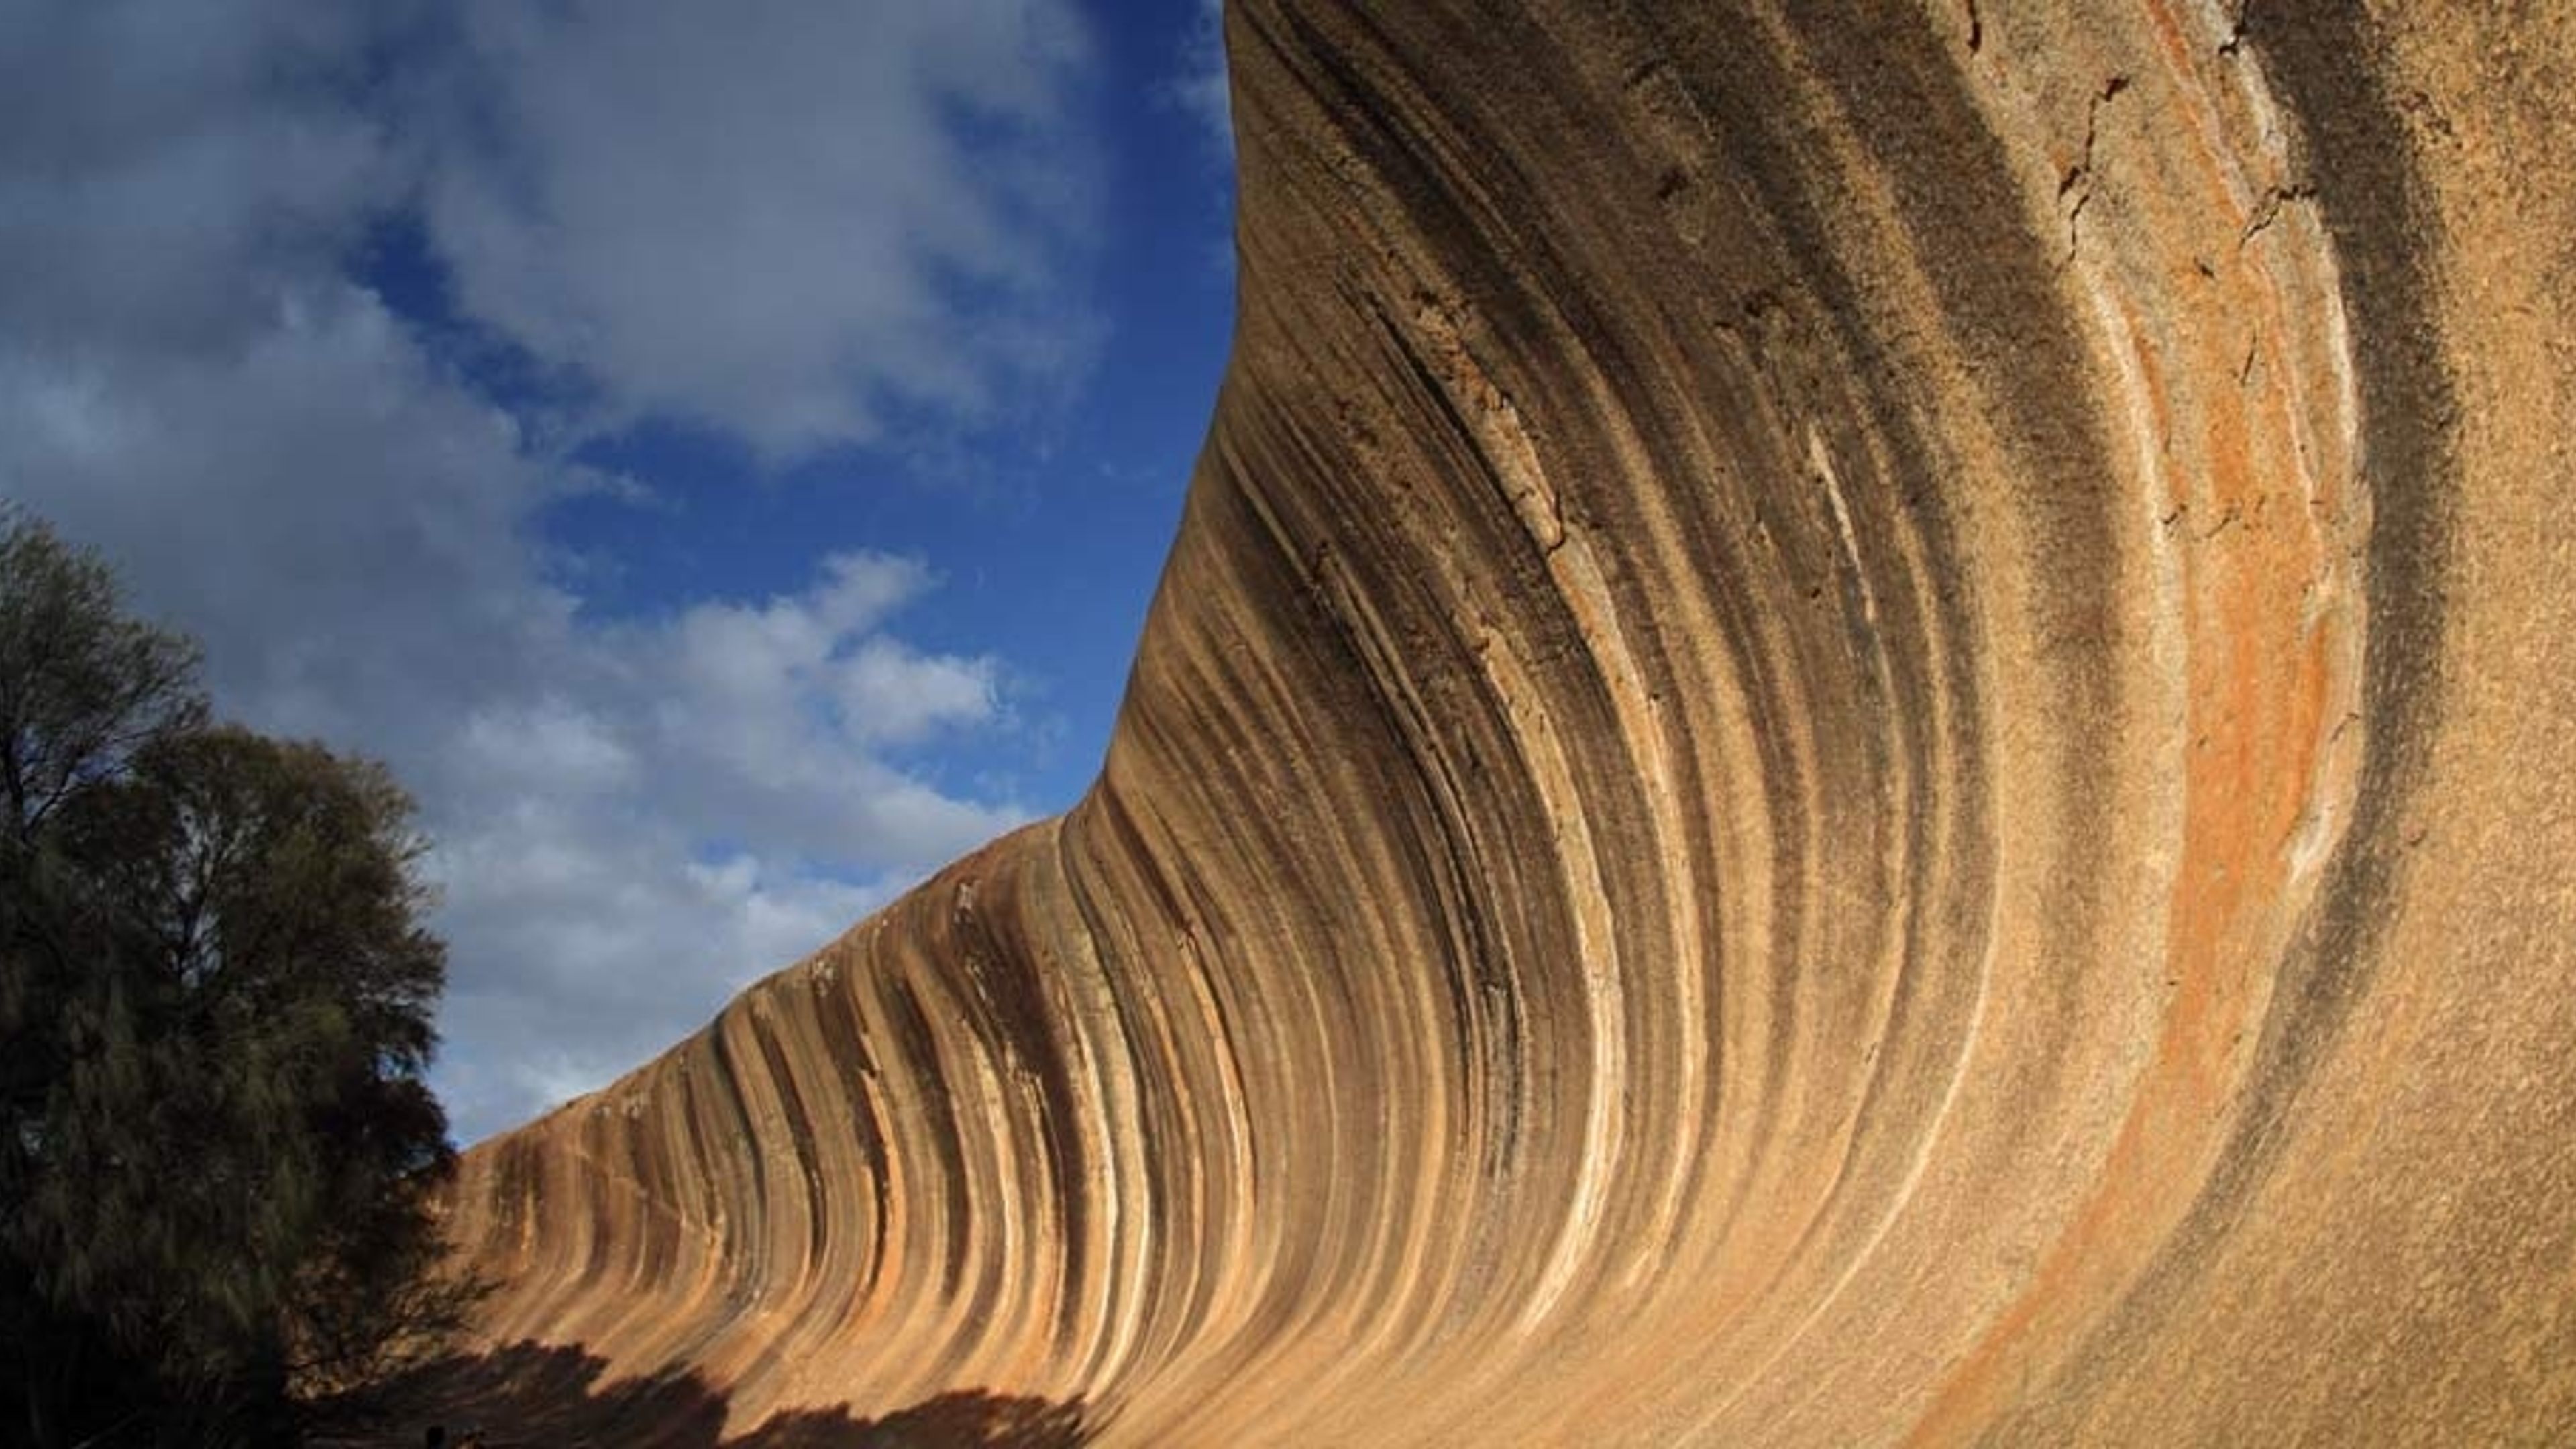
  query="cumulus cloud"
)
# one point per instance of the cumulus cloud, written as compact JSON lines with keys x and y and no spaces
{"x":781,"y":219}
{"x":142,"y":203}
{"x":704,"y":789}
{"x":633,"y":816}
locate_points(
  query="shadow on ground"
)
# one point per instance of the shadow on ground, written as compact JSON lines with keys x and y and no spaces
{"x":537,"y":1396}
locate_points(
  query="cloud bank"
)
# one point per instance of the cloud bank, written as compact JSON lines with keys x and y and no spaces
{"x":783,"y":220}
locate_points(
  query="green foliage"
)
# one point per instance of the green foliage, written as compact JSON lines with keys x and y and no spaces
{"x":215,"y":1006}
{"x":81,"y":685}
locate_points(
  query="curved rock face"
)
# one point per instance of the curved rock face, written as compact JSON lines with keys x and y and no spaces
{"x":1862,"y":732}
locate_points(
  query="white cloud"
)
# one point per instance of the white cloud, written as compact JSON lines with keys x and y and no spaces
{"x":768,"y":216}
{"x":891,"y":695}
{"x":778,"y":238}
{"x":549,"y":743}
{"x":157,"y":207}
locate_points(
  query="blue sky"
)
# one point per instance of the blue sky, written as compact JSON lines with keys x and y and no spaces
{"x":719,"y":455}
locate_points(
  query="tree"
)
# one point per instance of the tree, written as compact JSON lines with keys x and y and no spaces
{"x":215,"y":1006}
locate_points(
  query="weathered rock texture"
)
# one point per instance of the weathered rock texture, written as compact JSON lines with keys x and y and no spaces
{"x":1864,"y":731}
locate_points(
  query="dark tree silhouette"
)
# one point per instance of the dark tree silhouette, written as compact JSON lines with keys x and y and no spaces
{"x":215,"y":1006}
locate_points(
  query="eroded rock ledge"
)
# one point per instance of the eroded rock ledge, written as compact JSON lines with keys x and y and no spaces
{"x":1862,"y":732}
